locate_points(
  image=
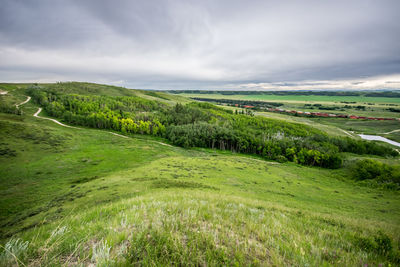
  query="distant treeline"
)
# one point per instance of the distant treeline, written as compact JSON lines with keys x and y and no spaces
{"x":321,"y":93}
{"x":322,"y":107}
{"x":205,"y":125}
{"x":394,"y":110}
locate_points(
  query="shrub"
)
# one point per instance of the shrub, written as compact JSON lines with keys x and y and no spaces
{"x":281,"y":159}
{"x":369,"y":169}
{"x":378,"y":172}
{"x":8,"y":108}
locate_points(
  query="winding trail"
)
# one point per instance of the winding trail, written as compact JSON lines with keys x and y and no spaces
{"x":24,"y":102}
{"x":53,"y":120}
{"x":394,"y":131}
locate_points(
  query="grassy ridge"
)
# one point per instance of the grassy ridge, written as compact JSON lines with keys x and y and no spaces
{"x":89,"y":197}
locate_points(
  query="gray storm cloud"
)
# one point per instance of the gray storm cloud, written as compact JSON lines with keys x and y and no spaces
{"x":203,"y":44}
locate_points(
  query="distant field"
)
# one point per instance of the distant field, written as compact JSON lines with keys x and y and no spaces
{"x":373,"y":107}
{"x":364,"y":126}
{"x":301,"y":98}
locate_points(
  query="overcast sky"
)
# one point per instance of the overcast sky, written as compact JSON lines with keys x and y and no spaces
{"x":172,"y":44}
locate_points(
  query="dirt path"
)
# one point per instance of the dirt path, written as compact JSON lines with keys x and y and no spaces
{"x":120,"y":135}
{"x":164,"y":144}
{"x":26,"y":101}
{"x":53,"y":120}
{"x":262,"y":161}
{"x":394,"y":131}
{"x":346,"y":132}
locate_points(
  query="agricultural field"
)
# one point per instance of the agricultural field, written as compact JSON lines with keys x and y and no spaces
{"x":109,"y":197}
{"x":351,"y":105}
{"x":301,"y":98}
{"x":388,"y":129}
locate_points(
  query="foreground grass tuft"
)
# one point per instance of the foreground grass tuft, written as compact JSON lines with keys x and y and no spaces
{"x":101,"y":254}
{"x":14,"y":252}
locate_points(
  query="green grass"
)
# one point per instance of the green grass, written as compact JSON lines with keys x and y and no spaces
{"x":197,"y":227}
{"x":84,"y":196}
{"x":300,"y":98}
{"x":374,"y":106}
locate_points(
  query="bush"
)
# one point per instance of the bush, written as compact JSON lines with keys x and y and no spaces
{"x":281,"y":159}
{"x":374,"y":170}
{"x":369,"y":169}
{"x":8,"y":108}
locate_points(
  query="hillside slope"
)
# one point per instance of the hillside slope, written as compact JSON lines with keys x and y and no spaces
{"x":83,"y":196}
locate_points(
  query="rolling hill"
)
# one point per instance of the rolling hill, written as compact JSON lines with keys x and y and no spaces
{"x":124,"y":188}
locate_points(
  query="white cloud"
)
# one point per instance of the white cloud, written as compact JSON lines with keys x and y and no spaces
{"x":367,"y":83}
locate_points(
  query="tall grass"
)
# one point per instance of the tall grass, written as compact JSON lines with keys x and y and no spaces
{"x":202,"y":228}
{"x":14,"y":252}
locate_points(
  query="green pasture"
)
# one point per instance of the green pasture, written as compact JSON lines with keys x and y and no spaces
{"x":300,"y":98}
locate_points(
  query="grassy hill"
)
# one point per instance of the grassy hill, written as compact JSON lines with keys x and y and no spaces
{"x":85,"y":196}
